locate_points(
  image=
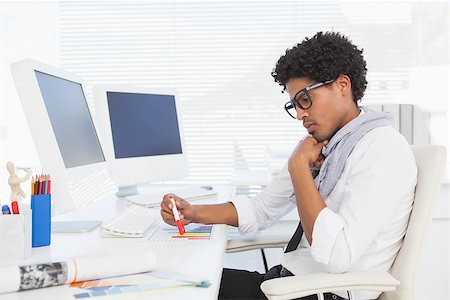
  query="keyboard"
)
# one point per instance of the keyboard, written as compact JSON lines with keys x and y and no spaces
{"x":187,"y":193}
{"x":134,"y":221}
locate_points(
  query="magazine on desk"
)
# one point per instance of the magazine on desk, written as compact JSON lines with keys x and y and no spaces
{"x":34,"y":276}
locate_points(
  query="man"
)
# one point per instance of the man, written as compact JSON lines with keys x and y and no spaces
{"x":352,"y":179}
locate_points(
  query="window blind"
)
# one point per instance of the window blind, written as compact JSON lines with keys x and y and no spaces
{"x":218,"y":56}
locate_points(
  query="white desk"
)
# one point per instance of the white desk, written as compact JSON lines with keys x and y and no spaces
{"x":200,"y":258}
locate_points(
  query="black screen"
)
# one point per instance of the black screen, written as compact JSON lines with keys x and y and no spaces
{"x":143,"y":124}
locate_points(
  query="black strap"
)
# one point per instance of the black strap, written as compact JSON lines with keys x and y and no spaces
{"x":295,"y":239}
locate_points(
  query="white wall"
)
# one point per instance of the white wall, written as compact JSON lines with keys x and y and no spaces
{"x":27,"y":29}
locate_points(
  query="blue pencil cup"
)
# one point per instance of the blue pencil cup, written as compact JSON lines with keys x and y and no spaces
{"x":40,"y":220}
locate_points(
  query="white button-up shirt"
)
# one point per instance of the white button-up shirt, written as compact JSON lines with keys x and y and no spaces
{"x":363,"y":225}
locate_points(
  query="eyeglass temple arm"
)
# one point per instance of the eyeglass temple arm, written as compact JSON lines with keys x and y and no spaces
{"x":317,"y":84}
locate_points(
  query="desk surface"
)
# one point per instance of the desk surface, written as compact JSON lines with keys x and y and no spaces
{"x":199,"y":259}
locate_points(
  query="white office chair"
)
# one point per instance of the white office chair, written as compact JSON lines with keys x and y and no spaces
{"x":396,"y":284}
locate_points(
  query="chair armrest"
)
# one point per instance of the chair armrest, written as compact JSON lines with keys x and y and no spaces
{"x":275,"y":237}
{"x":245,"y":244}
{"x":310,"y":284}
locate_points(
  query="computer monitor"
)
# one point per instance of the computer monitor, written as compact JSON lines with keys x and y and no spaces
{"x":141,"y":132}
{"x":63,"y":132}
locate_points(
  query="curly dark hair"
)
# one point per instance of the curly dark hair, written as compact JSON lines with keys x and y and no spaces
{"x":323,"y":57}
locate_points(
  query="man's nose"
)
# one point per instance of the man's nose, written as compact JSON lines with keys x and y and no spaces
{"x":301,"y":113}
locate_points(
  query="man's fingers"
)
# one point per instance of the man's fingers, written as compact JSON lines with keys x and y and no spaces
{"x":167,"y":217}
{"x":165,"y":208}
{"x":167,"y":201}
{"x":181,"y":204}
{"x":166,"y":205}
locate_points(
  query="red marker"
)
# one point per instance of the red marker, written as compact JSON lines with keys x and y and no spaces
{"x":15,"y":207}
{"x":180,"y":226}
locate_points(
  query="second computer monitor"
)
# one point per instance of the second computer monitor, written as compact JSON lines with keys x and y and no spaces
{"x":63,"y":132}
{"x":141,"y":134}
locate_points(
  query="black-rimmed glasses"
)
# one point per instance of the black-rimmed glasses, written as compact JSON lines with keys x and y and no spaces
{"x":302,"y":99}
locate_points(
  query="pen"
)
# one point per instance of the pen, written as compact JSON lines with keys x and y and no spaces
{"x":5,"y":210}
{"x":15,"y":207}
{"x":180,"y":226}
{"x":40,"y":186}
{"x":36,"y":183}
{"x":49,"y":184}
{"x":44,"y":185}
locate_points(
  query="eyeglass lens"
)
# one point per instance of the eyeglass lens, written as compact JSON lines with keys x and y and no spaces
{"x":302,"y":99}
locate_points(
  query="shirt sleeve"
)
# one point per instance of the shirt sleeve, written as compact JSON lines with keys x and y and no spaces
{"x":260,"y":212}
{"x":378,"y":189}
{"x":327,"y":232}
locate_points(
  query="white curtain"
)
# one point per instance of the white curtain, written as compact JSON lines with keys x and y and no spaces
{"x":219,"y":56}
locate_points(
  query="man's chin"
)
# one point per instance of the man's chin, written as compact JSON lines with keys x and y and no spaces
{"x":318,"y":137}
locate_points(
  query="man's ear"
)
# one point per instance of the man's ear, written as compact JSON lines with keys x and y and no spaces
{"x":344,"y":84}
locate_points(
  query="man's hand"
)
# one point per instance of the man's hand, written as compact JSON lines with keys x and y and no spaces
{"x":186,"y":210}
{"x":308,"y":151}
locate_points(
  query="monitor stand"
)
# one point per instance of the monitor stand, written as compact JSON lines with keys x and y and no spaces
{"x":128,"y":190}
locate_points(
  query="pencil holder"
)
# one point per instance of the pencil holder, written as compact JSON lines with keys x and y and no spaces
{"x":15,"y":236}
{"x":41,"y":220}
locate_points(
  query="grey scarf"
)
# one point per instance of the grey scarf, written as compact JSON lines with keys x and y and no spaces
{"x":341,"y":146}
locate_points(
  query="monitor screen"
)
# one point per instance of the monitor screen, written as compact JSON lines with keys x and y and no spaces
{"x":71,"y":120}
{"x":143,"y":124}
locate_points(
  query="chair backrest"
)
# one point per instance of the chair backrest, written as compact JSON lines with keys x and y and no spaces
{"x":430,"y":161}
